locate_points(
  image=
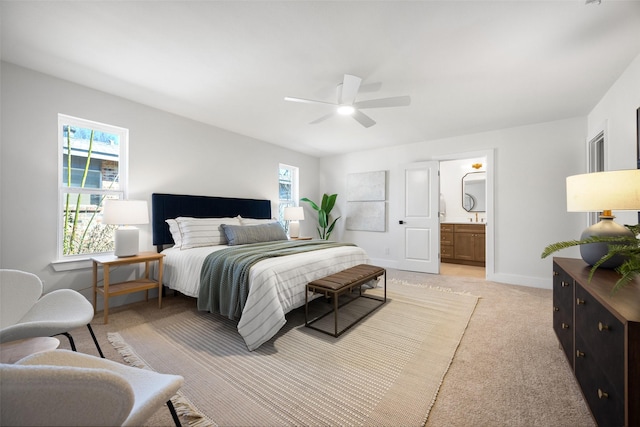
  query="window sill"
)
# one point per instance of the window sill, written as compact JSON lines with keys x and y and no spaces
{"x":72,"y":264}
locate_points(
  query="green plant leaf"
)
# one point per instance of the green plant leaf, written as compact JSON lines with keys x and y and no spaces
{"x":625,"y":246}
{"x":313,"y":205}
{"x":326,"y":205}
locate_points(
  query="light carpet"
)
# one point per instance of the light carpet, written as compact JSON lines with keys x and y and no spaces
{"x":386,"y":370}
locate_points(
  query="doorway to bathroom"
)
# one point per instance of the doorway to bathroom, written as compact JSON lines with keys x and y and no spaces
{"x":466,"y":213}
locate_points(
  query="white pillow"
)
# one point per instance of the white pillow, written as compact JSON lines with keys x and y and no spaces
{"x":174,"y":229}
{"x":198,"y":232}
{"x":255,"y":221}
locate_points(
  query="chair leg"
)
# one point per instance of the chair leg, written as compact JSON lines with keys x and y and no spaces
{"x":71,"y":343}
{"x":174,"y":414}
{"x":95,"y":341}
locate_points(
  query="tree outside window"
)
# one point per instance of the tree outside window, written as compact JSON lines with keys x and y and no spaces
{"x":287,"y":189}
{"x":92,"y":169}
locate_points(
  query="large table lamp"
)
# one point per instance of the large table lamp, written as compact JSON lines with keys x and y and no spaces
{"x":603,"y":192}
{"x":126,"y":214}
{"x":293,"y":214}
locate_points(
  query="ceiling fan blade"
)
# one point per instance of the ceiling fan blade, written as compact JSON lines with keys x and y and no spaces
{"x":307,"y":101}
{"x":350,"y":87}
{"x":322,"y":119}
{"x":363,"y":119}
{"x":395,"y":101}
{"x":370,"y":87}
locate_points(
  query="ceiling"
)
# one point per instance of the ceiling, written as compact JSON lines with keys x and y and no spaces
{"x":469,"y":66}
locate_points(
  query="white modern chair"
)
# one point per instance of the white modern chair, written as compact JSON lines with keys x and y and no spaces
{"x":65,"y":388}
{"x":25,"y":315}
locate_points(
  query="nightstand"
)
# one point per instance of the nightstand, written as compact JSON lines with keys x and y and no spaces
{"x":113,"y":289}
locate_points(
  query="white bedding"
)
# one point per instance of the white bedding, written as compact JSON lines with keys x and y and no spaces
{"x":277,"y":285}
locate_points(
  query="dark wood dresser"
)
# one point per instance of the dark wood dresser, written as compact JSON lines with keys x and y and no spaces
{"x":600,"y":335}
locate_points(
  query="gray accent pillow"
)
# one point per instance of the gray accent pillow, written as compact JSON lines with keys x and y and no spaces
{"x":243,"y":234}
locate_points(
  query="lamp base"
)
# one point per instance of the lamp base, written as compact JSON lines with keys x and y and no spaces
{"x":126,"y":240}
{"x":592,"y":253}
{"x":294,"y":229}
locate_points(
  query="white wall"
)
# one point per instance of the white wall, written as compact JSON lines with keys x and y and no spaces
{"x":168,"y":154}
{"x":616,"y":115}
{"x":531,"y":163}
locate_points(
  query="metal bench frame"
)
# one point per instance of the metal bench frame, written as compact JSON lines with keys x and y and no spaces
{"x":344,"y":282}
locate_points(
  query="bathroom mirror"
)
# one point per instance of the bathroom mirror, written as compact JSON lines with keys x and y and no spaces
{"x":474,"y":192}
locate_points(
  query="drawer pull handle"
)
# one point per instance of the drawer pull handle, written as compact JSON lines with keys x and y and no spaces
{"x":602,"y":394}
{"x":555,"y":273}
{"x":565,"y":326}
{"x":579,"y":353}
{"x":579,"y":301}
{"x":556,"y":309}
{"x":564,"y":284}
{"x":602,"y":327}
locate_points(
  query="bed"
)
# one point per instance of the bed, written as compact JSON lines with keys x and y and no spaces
{"x":275,"y":285}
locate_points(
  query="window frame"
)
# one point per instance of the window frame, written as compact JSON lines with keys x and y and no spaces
{"x":295,"y":189}
{"x":123,"y":174}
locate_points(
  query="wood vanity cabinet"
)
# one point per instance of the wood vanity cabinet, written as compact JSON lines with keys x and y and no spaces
{"x":446,"y":241}
{"x":600,"y":335}
{"x":463,"y":244}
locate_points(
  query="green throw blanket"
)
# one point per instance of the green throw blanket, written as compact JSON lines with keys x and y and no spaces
{"x":224,"y":278}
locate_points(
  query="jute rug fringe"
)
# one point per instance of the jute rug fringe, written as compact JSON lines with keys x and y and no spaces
{"x":183,"y":406}
{"x":427,"y":286}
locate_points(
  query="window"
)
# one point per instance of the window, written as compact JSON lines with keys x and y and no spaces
{"x":596,"y":158}
{"x":91,"y":168}
{"x":288,"y":190}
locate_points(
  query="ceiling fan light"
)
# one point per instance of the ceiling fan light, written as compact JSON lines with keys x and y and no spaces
{"x":346,"y":110}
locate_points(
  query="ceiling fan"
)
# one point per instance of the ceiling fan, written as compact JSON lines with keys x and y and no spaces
{"x":347,"y":104}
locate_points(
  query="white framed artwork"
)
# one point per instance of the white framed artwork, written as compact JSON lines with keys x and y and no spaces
{"x":366,"y":186}
{"x":366,"y":216}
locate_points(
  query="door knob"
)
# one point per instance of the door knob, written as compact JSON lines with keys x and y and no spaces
{"x":401,"y":222}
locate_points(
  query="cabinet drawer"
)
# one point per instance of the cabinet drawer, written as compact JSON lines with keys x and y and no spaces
{"x":469,"y":228}
{"x":604,"y":399}
{"x":563,"y":311}
{"x":601,"y":335}
{"x":446,"y":251}
{"x":446,"y":228}
{"x":446,"y":238}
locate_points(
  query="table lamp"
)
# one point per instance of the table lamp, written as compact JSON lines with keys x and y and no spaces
{"x":126,"y":214}
{"x":293,"y":214}
{"x":603,"y":192}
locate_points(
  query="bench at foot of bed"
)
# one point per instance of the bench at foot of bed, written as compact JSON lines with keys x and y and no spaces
{"x":341,"y":283}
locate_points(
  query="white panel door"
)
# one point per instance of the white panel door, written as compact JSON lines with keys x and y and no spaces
{"x":420,"y":225}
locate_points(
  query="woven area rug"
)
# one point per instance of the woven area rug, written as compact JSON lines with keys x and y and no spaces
{"x":386,"y":370}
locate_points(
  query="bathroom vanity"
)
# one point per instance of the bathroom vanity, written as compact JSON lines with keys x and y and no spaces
{"x":463,"y":243}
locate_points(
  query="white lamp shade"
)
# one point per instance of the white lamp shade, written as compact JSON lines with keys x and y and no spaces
{"x":293,"y":213}
{"x":599,"y":191}
{"x":603,"y":192}
{"x":125,"y":212}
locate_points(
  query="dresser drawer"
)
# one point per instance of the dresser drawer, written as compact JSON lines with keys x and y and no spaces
{"x":563,"y":286}
{"x":605,"y":400}
{"x":601,"y":335}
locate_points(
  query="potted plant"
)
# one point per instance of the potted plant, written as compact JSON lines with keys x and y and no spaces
{"x":327,"y":204}
{"x":627,"y":247}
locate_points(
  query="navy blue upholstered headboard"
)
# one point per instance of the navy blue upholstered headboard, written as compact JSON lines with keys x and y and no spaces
{"x":166,"y":206}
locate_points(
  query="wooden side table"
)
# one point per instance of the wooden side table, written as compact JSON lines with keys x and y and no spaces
{"x":113,"y":289}
{"x":12,"y":351}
